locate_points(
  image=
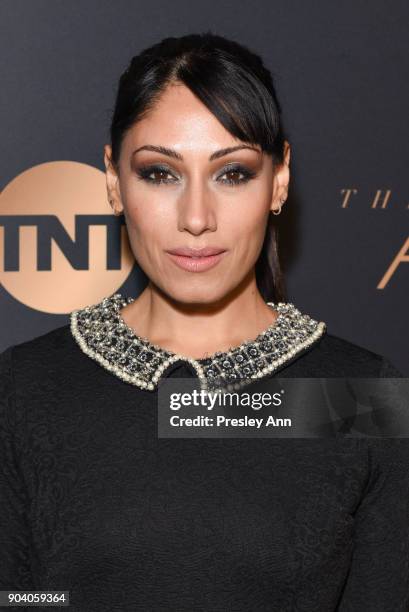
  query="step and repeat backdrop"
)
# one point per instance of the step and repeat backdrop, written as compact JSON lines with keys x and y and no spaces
{"x":340,"y":71}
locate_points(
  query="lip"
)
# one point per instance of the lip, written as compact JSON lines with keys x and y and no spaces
{"x":191,"y":252}
{"x":196,"y":260}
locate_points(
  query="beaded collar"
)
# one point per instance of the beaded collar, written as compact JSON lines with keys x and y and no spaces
{"x":103,"y":335}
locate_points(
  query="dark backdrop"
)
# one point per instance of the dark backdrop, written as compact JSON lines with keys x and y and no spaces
{"x":341,"y":74}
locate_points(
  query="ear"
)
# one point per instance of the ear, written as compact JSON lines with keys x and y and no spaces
{"x":112,"y":182}
{"x":281,"y":180}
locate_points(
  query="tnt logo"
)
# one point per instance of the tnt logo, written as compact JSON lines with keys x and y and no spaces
{"x":61,"y":247}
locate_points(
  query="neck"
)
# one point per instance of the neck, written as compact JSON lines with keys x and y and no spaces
{"x":200,"y":328}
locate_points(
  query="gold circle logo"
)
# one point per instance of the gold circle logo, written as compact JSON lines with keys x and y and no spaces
{"x":61,"y":246}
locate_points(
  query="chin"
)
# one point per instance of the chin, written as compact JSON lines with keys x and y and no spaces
{"x":189,"y":295}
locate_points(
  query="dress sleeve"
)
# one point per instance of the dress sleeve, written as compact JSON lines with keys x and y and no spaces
{"x":14,"y":525}
{"x":378,"y":578}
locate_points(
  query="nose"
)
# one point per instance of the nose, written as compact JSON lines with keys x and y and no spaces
{"x":196,"y":208}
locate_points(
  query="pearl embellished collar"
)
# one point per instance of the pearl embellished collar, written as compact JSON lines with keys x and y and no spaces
{"x":103,"y":335}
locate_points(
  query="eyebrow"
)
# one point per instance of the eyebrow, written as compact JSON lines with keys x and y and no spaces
{"x":172,"y":153}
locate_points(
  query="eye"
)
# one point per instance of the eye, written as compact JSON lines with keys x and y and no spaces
{"x":156,"y":174}
{"x":236,"y":175}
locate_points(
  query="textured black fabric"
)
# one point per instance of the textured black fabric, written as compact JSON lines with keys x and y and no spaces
{"x":94,"y":503}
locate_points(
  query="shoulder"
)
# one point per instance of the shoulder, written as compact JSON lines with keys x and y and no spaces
{"x":46,"y":357}
{"x":335,"y":356}
{"x":26,"y":369}
{"x":40,"y":346}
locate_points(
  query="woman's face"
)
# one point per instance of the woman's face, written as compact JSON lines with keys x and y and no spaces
{"x":195,"y":194}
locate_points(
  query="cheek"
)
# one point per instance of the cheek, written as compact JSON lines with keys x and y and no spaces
{"x":246,"y":223}
{"x":146,"y":209}
{"x":149,"y":227}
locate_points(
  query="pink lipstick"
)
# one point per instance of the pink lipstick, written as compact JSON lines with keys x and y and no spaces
{"x":196,"y":260}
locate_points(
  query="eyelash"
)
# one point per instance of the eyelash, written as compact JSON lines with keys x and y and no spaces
{"x":145,"y":172}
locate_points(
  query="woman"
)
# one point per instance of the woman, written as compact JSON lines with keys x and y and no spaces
{"x":96,"y":504}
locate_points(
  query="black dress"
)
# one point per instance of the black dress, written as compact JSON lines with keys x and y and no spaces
{"x":94,"y":503}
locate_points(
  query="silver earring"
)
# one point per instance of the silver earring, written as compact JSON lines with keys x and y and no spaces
{"x":277,"y":212}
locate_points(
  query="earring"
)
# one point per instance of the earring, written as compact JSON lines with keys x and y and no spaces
{"x":277,"y":212}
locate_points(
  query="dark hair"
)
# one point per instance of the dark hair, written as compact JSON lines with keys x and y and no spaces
{"x":235,"y":86}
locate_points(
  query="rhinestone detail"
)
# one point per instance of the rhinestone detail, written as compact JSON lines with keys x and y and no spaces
{"x":103,"y":335}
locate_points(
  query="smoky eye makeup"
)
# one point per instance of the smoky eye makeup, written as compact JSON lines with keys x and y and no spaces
{"x":156,"y":174}
{"x":236,"y":173}
{"x":232,"y":174}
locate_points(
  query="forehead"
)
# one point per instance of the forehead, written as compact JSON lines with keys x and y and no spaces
{"x":180,"y":120}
